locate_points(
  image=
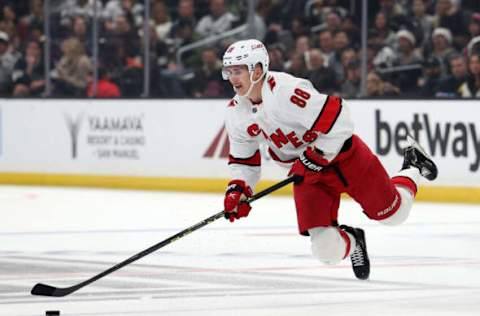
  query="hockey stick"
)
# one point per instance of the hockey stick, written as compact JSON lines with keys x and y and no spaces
{"x":48,"y":290}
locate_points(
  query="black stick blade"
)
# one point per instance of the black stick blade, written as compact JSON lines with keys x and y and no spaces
{"x":43,"y":289}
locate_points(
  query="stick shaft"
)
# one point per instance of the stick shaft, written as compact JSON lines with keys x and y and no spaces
{"x":274,"y":187}
{"x":47,"y":290}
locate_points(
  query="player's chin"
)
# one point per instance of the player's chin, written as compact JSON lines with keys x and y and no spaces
{"x":240,"y":91}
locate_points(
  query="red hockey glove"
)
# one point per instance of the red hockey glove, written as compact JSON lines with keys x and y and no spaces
{"x":311,"y":159}
{"x":237,"y":192}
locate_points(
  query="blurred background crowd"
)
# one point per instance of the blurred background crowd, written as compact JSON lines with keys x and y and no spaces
{"x":173,"y":49}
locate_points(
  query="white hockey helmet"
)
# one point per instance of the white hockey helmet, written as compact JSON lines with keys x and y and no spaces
{"x":247,"y":52}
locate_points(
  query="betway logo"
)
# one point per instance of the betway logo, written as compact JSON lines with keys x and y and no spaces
{"x":220,"y":146}
{"x":439,"y":139}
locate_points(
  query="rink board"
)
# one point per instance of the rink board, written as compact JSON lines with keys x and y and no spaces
{"x":182,"y":144}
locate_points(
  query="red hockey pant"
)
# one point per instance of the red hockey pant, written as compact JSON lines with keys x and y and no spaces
{"x":357,"y":172}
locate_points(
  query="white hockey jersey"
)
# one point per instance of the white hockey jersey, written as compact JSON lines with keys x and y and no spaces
{"x":291,"y":116}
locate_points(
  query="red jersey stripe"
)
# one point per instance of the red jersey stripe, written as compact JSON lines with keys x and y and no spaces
{"x":254,"y":160}
{"x":276,"y":158}
{"x":328,"y":116}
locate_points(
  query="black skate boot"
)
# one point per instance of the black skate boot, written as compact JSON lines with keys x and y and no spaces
{"x":359,"y":257}
{"x":414,"y":155}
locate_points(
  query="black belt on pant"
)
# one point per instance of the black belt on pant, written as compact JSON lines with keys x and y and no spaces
{"x":346,"y":145}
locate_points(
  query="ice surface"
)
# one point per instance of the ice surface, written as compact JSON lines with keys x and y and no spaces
{"x":256,"y":266}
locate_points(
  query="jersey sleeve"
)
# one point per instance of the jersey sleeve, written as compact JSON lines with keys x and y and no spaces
{"x":244,"y":159}
{"x":327,"y":116}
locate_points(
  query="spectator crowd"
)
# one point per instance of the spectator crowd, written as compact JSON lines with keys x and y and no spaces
{"x":415,"y":48}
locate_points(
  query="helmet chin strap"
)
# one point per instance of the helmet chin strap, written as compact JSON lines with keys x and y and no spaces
{"x":252,"y":83}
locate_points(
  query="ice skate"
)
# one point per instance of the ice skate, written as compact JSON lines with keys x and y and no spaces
{"x":415,"y":156}
{"x":359,"y":257}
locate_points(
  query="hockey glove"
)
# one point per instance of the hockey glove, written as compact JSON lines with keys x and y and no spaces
{"x":235,"y":207}
{"x":311,"y":159}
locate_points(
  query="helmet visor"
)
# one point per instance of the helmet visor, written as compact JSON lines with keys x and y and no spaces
{"x":235,"y":70}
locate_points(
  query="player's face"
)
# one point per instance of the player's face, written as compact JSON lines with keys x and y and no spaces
{"x":239,"y":78}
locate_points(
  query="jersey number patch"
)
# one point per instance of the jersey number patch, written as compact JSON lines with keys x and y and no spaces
{"x":300,"y":97}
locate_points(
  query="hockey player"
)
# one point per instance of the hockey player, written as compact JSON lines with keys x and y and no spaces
{"x":312,"y":133}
